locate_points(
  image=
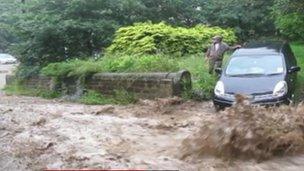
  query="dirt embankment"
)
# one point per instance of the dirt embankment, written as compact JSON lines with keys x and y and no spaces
{"x":37,"y":134}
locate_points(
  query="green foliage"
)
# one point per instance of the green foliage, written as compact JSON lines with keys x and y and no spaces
{"x":148,"y":38}
{"x":202,"y":81}
{"x":94,"y":98}
{"x":298,"y":49}
{"x":54,"y":31}
{"x":7,"y":36}
{"x":24,"y":72}
{"x":72,"y":68}
{"x":125,"y":63}
{"x":250,"y":18}
{"x":123,"y":97}
{"x":289,"y":17}
{"x":120,"y":97}
{"x":291,"y":25}
{"x":16,"y":88}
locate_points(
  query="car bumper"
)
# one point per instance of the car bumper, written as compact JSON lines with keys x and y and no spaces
{"x":218,"y":101}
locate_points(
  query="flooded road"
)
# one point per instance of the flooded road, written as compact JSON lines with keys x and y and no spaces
{"x":36,"y":134}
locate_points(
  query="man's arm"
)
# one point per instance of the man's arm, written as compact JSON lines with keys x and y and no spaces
{"x":227,"y":47}
{"x":235,"y":47}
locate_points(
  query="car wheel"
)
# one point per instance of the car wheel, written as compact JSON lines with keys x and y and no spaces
{"x":219,"y":108}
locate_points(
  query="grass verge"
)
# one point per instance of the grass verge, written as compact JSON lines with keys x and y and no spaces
{"x":298,"y":49}
{"x":17,"y":88}
{"x":120,"y":97}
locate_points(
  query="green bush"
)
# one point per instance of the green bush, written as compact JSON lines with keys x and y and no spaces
{"x":126,"y":63}
{"x":120,"y":97}
{"x":148,"y":38}
{"x":291,"y":25}
{"x":202,"y":81}
{"x":72,"y":68}
{"x":23,"y":71}
{"x":298,"y":49}
{"x":18,"y":89}
{"x":94,"y":98}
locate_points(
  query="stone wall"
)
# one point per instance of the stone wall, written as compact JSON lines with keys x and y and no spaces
{"x":144,"y":85}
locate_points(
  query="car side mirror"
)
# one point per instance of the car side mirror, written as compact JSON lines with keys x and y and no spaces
{"x":218,"y":70}
{"x":294,"y":69}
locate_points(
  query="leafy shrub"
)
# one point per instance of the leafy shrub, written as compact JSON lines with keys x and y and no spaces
{"x":203,"y":82}
{"x":18,"y":89}
{"x":94,"y":98}
{"x":298,"y":49}
{"x":148,"y":38}
{"x":24,"y":72}
{"x":83,"y":68}
{"x":124,"y":97}
{"x":72,"y":68}
{"x":120,"y":97}
{"x":291,"y":25}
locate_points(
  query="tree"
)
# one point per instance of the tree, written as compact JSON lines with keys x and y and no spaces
{"x":57,"y":30}
{"x":7,"y":36}
{"x":250,"y":18}
{"x":289,"y":15}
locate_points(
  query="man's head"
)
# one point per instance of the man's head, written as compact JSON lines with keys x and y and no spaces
{"x":217,"y":39}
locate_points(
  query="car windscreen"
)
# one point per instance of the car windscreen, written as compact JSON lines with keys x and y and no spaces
{"x":255,"y":65}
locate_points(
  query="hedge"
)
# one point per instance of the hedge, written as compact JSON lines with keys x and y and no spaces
{"x":148,"y":38}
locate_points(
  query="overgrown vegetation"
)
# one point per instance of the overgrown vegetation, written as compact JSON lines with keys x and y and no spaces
{"x":289,"y":15}
{"x":124,"y":63}
{"x":202,"y":80}
{"x":298,"y":49}
{"x":17,"y":88}
{"x":120,"y":97}
{"x":148,"y":38}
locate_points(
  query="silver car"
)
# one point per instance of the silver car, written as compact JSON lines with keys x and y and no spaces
{"x":7,"y":59}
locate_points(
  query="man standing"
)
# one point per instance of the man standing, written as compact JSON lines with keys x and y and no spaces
{"x":216,"y":52}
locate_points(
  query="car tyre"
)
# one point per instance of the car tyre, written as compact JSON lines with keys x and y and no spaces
{"x":219,"y":108}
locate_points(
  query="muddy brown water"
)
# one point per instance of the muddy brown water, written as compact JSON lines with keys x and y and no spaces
{"x":37,"y":134}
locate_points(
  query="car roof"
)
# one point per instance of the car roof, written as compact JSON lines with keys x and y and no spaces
{"x":260,"y":48}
